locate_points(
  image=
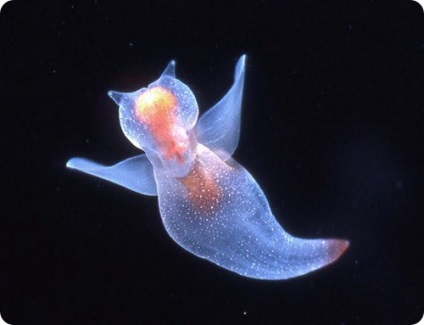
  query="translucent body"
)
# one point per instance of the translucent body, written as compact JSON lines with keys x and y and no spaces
{"x":209,"y":204}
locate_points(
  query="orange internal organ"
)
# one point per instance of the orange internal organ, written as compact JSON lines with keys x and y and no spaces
{"x":203,"y":190}
{"x":156,"y":108}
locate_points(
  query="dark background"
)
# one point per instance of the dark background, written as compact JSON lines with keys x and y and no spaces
{"x":332,"y":130}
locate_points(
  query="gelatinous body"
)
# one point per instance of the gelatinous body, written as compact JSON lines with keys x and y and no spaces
{"x":209,"y":204}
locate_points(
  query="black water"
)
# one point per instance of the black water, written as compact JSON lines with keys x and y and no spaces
{"x":332,"y":130}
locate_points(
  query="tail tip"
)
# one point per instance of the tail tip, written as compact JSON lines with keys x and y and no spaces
{"x":337,"y":248}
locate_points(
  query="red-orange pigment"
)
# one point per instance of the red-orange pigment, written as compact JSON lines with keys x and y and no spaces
{"x":156,"y":108}
{"x":203,"y":190}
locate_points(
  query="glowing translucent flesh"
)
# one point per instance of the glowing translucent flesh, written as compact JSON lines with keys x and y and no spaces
{"x":209,"y":204}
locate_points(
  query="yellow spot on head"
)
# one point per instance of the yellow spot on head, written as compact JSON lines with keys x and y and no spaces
{"x":156,"y":108}
{"x":155,"y":104}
